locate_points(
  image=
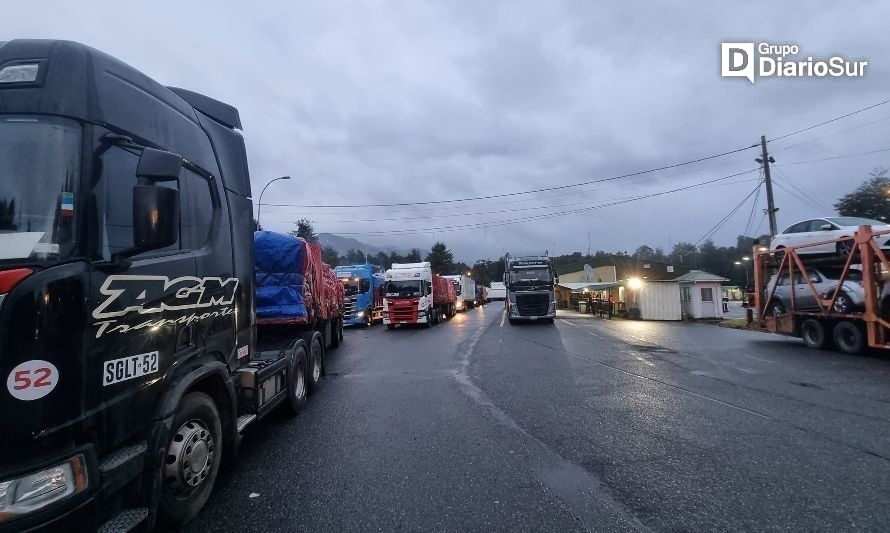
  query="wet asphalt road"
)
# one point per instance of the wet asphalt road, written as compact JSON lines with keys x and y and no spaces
{"x":588,"y":424}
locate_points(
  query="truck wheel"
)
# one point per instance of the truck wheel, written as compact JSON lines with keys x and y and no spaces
{"x":813,"y":334}
{"x":316,"y":363}
{"x":298,"y":387}
{"x":368,"y":318}
{"x":849,"y":337}
{"x":191,"y":461}
{"x":337,"y":333}
{"x":777,"y":308}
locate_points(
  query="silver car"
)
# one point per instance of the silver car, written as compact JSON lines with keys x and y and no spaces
{"x":825,"y":281}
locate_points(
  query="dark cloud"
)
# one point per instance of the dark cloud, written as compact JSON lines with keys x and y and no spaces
{"x":415,"y":101}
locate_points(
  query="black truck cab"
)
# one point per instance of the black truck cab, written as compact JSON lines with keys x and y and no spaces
{"x":126,"y":291}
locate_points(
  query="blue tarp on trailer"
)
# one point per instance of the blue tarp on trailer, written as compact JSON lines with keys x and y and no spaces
{"x":279,"y":275}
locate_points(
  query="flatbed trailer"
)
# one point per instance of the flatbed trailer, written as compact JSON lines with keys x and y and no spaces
{"x":821,"y":325}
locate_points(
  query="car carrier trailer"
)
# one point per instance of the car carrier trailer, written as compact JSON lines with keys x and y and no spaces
{"x":819,"y":324}
{"x":129,"y":342}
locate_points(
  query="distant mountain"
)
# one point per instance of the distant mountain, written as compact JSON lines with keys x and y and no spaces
{"x":344,"y":244}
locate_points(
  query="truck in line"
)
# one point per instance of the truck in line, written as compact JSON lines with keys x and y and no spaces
{"x":414,"y":295}
{"x":824,"y":312}
{"x":497,"y":291}
{"x":465,"y":291}
{"x":529,"y":282}
{"x":130,"y":345}
{"x":363,"y":288}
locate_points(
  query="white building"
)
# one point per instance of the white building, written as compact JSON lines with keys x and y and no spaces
{"x":701,"y":294}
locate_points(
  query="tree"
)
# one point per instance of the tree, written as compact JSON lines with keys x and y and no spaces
{"x":644,"y":252}
{"x":460,"y":268}
{"x":441,"y":259}
{"x":413,"y":256}
{"x":354,"y":256}
{"x":330,"y":255}
{"x":685,"y":254}
{"x":382,"y":260}
{"x":7,"y":215}
{"x":869,"y":200}
{"x":305,"y":230}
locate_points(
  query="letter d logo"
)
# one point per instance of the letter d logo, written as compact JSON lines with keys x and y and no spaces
{"x":737,"y":60}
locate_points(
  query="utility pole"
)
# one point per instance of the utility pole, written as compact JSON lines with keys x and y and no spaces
{"x":766,"y":159}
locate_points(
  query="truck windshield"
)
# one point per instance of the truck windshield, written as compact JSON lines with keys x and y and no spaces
{"x":353,"y":286}
{"x":403,"y":289}
{"x":529,"y":276}
{"x":39,"y":178}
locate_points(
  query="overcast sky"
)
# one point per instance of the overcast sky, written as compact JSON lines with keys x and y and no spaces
{"x":402,"y":101}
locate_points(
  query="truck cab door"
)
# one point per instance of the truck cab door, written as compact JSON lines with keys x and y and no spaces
{"x":139,"y":326}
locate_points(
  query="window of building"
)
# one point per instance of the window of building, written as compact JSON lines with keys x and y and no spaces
{"x":685,"y":294}
{"x":707,"y":294}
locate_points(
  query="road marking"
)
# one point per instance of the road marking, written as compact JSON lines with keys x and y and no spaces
{"x":503,"y":318}
{"x":759,"y":359}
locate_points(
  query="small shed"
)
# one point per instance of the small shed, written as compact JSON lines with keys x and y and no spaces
{"x":701,"y":294}
{"x":653,"y":300}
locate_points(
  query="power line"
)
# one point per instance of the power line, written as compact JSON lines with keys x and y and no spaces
{"x":836,"y":157}
{"x":753,"y":206}
{"x":544,"y":189}
{"x":501,"y":211}
{"x":835,"y":119}
{"x":859,"y":126}
{"x":479,"y":225}
{"x":799,"y":197}
{"x":803,"y":192}
{"x":710,"y":233}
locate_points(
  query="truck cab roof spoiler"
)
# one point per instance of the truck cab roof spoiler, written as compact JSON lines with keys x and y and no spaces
{"x":219,"y":111}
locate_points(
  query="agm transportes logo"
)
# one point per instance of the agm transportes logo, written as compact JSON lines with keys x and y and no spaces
{"x":152,"y":295}
{"x":739,"y":60}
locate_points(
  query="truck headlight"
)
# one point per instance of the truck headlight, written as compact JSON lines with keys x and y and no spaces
{"x":31,"y":492}
{"x":360,"y":314}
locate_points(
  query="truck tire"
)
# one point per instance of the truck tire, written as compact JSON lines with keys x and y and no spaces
{"x":849,"y":337}
{"x":813,"y":334}
{"x":191,"y":462}
{"x":337,"y":333}
{"x":298,"y":381}
{"x":368,"y":322}
{"x":316,"y":361}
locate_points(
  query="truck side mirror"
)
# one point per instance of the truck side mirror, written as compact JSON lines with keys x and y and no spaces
{"x":155,"y":218}
{"x":555,"y":280}
{"x":159,"y":165}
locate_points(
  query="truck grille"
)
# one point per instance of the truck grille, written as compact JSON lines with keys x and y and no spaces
{"x":403,"y":313}
{"x":533,"y":304}
{"x":349,"y":308}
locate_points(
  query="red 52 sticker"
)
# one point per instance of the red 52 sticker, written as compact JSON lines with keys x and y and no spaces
{"x":32,"y":380}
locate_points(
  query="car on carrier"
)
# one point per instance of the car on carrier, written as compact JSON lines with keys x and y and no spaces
{"x":826,"y":229}
{"x":825,"y":281}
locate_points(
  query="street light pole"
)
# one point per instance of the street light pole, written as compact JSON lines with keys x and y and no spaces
{"x":259,"y":206}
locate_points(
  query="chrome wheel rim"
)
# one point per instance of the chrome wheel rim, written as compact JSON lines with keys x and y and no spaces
{"x":189,"y":458}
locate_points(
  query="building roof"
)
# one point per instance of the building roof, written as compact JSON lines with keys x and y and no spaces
{"x":581,"y":285}
{"x":700,"y":276}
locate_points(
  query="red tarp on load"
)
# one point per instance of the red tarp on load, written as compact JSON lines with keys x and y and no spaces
{"x":443,"y":291}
